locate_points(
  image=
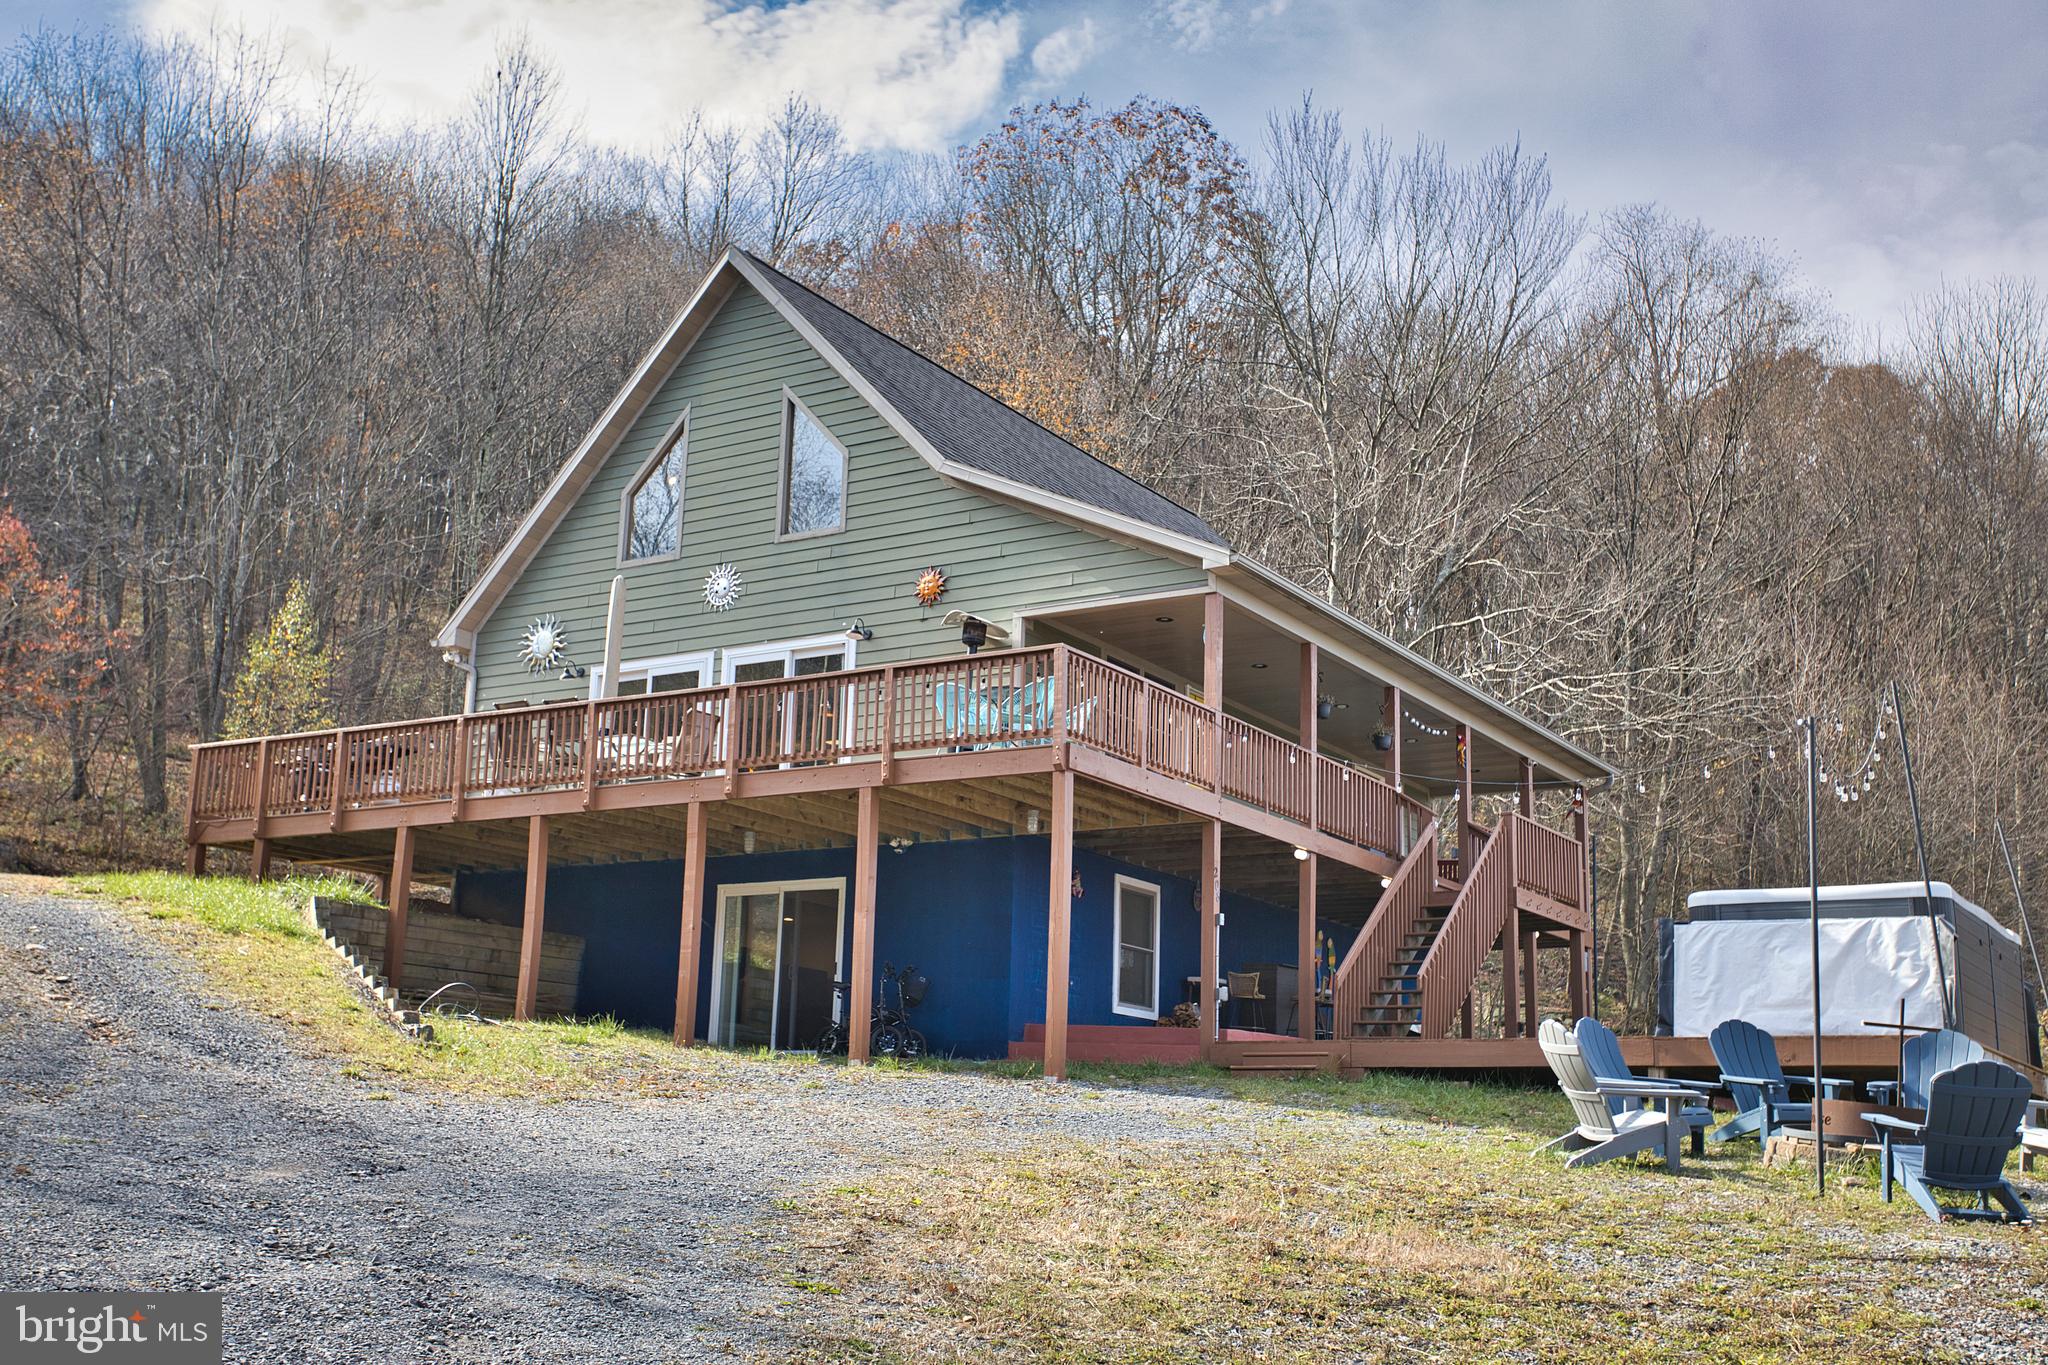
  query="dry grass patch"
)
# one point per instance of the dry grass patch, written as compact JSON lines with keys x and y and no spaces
{"x":1346,"y":1239}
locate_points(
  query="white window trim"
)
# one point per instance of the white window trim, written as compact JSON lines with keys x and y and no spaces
{"x":789,"y":651}
{"x":677,"y":437}
{"x":666,"y":663}
{"x":727,"y":889}
{"x":782,"y":531}
{"x":1116,"y":945}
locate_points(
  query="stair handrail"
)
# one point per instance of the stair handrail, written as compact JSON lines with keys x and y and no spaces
{"x":1400,"y":907}
{"x":1468,"y":932}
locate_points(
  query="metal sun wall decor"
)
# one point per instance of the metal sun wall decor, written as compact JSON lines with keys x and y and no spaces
{"x":723,"y":586}
{"x":931,"y":586}
{"x":543,"y":645}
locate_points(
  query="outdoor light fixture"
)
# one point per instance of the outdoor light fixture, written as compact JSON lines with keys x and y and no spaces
{"x":573,"y":672}
{"x":1031,"y":821}
{"x":1386,"y":882}
{"x":1300,"y":854}
{"x":1164,"y":620}
{"x":1383,"y":740}
{"x":859,"y":630}
{"x":746,"y":841}
{"x":1258,"y":665}
{"x":899,"y":843}
{"x":451,"y":656}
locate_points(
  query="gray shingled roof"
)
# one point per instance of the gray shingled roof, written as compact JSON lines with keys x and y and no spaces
{"x":967,"y":426}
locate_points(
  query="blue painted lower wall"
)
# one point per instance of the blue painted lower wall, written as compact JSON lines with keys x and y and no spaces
{"x":971,"y":914}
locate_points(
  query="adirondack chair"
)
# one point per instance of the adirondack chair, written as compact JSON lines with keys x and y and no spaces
{"x":1602,"y":1134}
{"x":1927,"y":1056}
{"x":2034,"y":1135}
{"x":1029,"y":710}
{"x":1748,"y":1058}
{"x":1602,"y":1051}
{"x":1973,"y":1122}
{"x":966,"y":716}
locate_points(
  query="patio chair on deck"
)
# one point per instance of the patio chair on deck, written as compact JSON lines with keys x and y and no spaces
{"x":1748,"y":1058}
{"x":1602,"y":1051}
{"x":1603,"y":1134}
{"x":1973,"y":1123}
{"x":1928,"y":1055}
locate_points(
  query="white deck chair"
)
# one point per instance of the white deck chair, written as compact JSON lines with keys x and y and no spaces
{"x":1603,"y":1134}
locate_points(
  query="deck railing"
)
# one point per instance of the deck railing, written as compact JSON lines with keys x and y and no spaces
{"x":1003,"y":700}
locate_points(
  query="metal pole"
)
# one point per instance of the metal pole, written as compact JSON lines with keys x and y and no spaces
{"x":1593,"y":920}
{"x":1820,"y":1165}
{"x":2020,"y":901}
{"x":1920,"y":847}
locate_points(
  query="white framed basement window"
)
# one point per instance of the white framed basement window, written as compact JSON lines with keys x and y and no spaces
{"x":1134,"y":979}
{"x":812,"y":498}
{"x":651,"y":508}
{"x":670,"y":673}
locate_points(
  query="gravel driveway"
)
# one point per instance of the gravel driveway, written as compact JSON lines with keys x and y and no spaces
{"x":151,"y":1138}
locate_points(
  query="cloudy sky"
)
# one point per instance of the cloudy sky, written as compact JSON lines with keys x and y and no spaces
{"x":1884,"y":145}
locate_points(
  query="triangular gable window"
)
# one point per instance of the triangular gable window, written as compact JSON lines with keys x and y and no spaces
{"x":653,"y":512}
{"x":813,"y":474}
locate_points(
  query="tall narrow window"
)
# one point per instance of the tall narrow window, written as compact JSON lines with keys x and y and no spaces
{"x":654,"y":505}
{"x":1136,"y":990}
{"x":813,"y":475}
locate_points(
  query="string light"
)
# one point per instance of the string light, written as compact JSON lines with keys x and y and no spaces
{"x":1426,"y":729}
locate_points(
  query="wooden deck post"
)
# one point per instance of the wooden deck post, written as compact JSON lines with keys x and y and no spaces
{"x":1529,"y":1004}
{"x":527,"y":998}
{"x":1212,"y":681}
{"x":1575,"y":976}
{"x":195,"y":852}
{"x":1211,"y":892}
{"x":1393,"y":720}
{"x":195,"y":859}
{"x":1510,"y":1001}
{"x":400,"y":903}
{"x":259,"y":846}
{"x":1528,"y":792}
{"x":695,"y":824}
{"x":1465,"y":1016}
{"x":1305,"y":929}
{"x":860,"y":981}
{"x":1059,"y":913}
{"x":1466,"y":853}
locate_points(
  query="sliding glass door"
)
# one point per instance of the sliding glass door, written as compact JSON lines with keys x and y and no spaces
{"x":778,"y":955}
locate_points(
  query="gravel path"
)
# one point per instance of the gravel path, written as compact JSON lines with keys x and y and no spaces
{"x":152,"y":1138}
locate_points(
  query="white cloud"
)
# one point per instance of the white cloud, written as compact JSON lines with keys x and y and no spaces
{"x":908,"y":74}
{"x":1196,"y":23}
{"x":1064,"y":51}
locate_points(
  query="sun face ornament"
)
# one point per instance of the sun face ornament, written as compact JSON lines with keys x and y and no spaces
{"x":544,"y":644}
{"x":931,"y":586}
{"x":722,"y":587}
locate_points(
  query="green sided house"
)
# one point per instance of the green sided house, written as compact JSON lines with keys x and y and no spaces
{"x":814,"y":659}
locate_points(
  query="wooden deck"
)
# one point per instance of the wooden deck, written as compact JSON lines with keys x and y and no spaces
{"x":1852,"y":1056}
{"x":998,"y":715}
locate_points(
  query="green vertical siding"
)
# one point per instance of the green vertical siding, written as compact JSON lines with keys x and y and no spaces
{"x":900,"y":517}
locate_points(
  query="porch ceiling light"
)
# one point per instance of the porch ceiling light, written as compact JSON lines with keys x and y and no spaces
{"x":746,"y":841}
{"x":1300,"y":854}
{"x":1164,"y":620}
{"x":1386,"y":882}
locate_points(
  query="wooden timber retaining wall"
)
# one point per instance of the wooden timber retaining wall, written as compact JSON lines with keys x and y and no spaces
{"x":441,"y":947}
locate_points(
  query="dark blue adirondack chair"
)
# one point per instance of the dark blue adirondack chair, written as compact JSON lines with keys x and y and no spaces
{"x":1748,"y":1058}
{"x":1602,"y":1051}
{"x":1973,"y":1123}
{"x":1927,"y":1056}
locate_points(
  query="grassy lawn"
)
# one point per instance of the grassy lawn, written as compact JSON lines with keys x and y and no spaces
{"x":1398,"y":1217}
{"x":258,"y":948}
{"x":1324,"y":1238}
